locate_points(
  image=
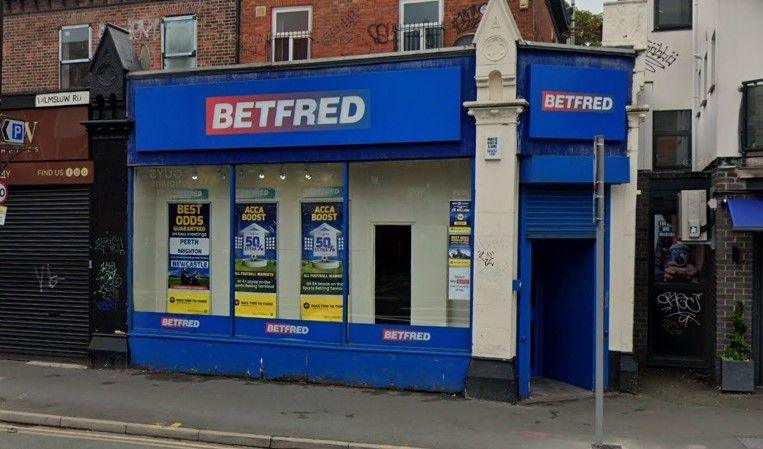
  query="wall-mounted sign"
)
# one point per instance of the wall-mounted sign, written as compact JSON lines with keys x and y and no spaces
{"x":188,"y":262}
{"x":3,"y":193}
{"x":13,"y":131}
{"x":460,"y":251}
{"x":299,"y":111}
{"x":58,"y":136}
{"x":322,"y":284}
{"x":47,"y":173}
{"x":492,"y":148}
{"x":256,"y":259}
{"x":578,"y":103}
{"x":3,"y":213}
{"x":61,"y":99}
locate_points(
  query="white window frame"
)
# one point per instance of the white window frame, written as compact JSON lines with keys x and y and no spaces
{"x":422,"y":33}
{"x":195,"y":50}
{"x":61,"y":60}
{"x":274,"y":13}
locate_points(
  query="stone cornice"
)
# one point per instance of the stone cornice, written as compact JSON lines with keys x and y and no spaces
{"x":496,"y":112}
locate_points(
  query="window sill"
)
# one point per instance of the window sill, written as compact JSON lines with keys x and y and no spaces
{"x":671,"y":28}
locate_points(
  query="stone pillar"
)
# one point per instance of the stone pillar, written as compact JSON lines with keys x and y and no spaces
{"x":492,"y":371}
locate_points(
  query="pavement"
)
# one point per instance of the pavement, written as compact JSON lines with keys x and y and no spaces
{"x":668,"y":412}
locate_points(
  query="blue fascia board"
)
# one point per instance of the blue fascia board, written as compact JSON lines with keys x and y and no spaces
{"x":571,"y":170}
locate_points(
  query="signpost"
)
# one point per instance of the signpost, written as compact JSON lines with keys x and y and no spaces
{"x":599,"y":216}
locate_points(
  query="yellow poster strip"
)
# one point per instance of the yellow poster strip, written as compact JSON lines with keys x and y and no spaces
{"x":189,"y":302}
{"x":256,"y":305}
{"x":321,"y":308}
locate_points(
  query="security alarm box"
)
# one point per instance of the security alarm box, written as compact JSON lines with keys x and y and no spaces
{"x":692,"y":215}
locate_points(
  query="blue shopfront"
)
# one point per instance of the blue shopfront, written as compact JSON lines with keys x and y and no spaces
{"x":305,"y":222}
{"x":572,"y":96}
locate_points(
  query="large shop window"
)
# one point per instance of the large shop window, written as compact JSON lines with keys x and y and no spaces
{"x":672,"y":140}
{"x":74,"y":56}
{"x":410,"y":225}
{"x":290,"y":257}
{"x":181,"y":240}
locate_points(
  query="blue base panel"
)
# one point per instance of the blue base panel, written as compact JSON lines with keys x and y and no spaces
{"x":349,"y":365}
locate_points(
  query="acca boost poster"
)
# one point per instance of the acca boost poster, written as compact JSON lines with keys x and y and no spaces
{"x":256,"y":264}
{"x":188,"y":279}
{"x":322,"y":255}
{"x":459,"y":251}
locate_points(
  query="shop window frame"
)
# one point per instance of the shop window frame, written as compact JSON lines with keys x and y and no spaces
{"x":73,"y":62}
{"x":451,"y":340}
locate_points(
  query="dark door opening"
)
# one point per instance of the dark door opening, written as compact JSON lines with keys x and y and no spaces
{"x":757,"y":308}
{"x":563,"y":311}
{"x":392,"y":286}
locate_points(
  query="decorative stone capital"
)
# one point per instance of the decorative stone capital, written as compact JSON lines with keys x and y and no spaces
{"x":636,"y":115}
{"x":496,"y":112}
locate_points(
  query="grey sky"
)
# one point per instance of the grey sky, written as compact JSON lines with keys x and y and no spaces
{"x":591,"y":5}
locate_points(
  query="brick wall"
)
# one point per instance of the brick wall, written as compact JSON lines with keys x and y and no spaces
{"x":30,"y":45}
{"x":734,"y":280}
{"x":355,"y":27}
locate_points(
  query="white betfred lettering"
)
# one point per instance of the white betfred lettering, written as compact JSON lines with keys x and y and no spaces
{"x":607,"y":104}
{"x":399,"y":335}
{"x":283,"y":110}
{"x":597,"y":104}
{"x":327,"y":109}
{"x":587,"y":102}
{"x":222,"y":116}
{"x":243,"y":114}
{"x":264,"y":107}
{"x":548,"y":101}
{"x":347,"y":103}
{"x":305,"y":108}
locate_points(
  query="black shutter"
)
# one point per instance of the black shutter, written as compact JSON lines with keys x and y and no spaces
{"x":44,"y":272}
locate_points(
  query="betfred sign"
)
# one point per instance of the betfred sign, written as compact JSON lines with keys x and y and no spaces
{"x":403,"y":335}
{"x":311,"y":111}
{"x":300,"y":108}
{"x":179,"y":323}
{"x":577,"y":103}
{"x":285,"y":329}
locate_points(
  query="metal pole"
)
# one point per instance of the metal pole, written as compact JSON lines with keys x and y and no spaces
{"x":599,"y":197}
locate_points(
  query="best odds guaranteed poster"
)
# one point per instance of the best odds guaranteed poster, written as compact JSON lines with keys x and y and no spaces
{"x":188,"y":273}
{"x":459,"y":250}
{"x":322,"y":255}
{"x":256,"y":260}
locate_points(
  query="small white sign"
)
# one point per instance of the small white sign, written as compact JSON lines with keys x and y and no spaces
{"x":492,"y":148}
{"x":3,"y":192}
{"x":61,"y":99}
{"x":3,"y":212}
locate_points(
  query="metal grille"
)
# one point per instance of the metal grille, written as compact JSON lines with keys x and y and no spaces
{"x":44,"y":272}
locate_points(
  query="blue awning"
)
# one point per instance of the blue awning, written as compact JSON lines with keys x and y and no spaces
{"x":746,"y":214}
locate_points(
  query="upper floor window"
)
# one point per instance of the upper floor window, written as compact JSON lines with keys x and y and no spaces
{"x":752,"y":126}
{"x":421,"y":24}
{"x":74,"y":56}
{"x":671,"y":140}
{"x":179,"y":42}
{"x":292,"y":29}
{"x":670,"y":14}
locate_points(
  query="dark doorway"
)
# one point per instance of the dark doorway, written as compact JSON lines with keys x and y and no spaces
{"x":563,"y":310}
{"x":392,"y":286}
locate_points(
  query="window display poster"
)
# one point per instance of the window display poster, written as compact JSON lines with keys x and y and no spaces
{"x":188,"y":274}
{"x":675,"y":261}
{"x":321,"y":283}
{"x":460,"y":217}
{"x":459,"y":251}
{"x":256,"y":260}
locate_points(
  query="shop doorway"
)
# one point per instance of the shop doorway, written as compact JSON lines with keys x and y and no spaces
{"x":392,"y":274}
{"x":562,"y":311}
